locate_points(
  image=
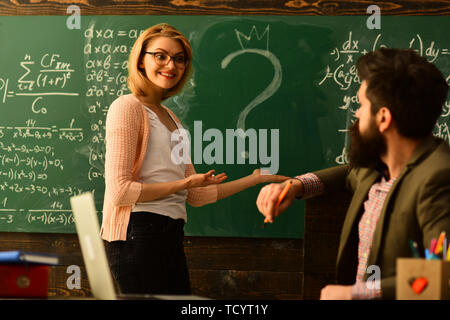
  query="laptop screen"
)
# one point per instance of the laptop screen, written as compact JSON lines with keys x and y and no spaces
{"x":92,"y":248}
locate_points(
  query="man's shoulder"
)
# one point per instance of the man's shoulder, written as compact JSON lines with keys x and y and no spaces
{"x":439,"y":158}
{"x":434,"y":167}
{"x":443,"y":148}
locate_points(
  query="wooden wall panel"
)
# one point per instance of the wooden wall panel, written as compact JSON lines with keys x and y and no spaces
{"x":223,"y":7}
{"x":239,"y":268}
{"x":324,"y":217}
{"x":220,"y":268}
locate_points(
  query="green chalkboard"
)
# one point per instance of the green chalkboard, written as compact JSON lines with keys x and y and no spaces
{"x":290,"y":82}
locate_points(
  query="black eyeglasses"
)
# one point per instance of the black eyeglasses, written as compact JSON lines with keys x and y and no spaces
{"x":163,"y":59}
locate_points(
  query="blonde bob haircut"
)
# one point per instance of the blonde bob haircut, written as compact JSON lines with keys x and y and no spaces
{"x":137,"y":80}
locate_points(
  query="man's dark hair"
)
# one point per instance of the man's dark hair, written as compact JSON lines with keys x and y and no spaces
{"x":412,"y":88}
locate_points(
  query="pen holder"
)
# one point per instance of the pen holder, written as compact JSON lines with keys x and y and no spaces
{"x":420,"y":279}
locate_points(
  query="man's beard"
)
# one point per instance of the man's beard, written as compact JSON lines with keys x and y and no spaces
{"x":366,"y":149}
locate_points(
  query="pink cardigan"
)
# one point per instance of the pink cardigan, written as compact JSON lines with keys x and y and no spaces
{"x":127,"y":133}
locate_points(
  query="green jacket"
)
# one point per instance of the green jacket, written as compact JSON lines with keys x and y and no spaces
{"x":416,"y":208}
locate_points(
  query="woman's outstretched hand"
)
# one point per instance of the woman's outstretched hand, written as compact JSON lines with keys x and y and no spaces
{"x":263,"y":177}
{"x":205,"y":179}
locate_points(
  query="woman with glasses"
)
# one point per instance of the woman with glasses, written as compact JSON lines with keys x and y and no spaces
{"x":144,"y":209}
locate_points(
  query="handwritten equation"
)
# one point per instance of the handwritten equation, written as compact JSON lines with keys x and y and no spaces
{"x":41,"y":217}
{"x":47,"y":217}
{"x":340,"y":72}
{"x":59,"y":134}
{"x":105,"y":54}
{"x":57,"y":126}
{"x":51,"y":73}
{"x":35,"y":137}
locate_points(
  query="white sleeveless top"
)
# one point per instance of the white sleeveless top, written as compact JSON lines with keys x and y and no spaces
{"x":159,"y":167}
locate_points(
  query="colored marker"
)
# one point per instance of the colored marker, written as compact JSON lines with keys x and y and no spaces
{"x":433,"y":245}
{"x":438,"y":248}
{"x":448,"y":252}
{"x":414,"y":248}
{"x":281,"y":197}
{"x":432,"y":256}
{"x":444,"y":249}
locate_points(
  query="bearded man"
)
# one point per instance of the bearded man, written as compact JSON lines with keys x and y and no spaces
{"x":398,"y":172}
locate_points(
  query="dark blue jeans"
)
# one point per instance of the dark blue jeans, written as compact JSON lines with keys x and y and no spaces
{"x":152,"y":259}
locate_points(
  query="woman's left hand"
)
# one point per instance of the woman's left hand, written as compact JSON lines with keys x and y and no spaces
{"x":205,"y":179}
{"x":267,"y":177}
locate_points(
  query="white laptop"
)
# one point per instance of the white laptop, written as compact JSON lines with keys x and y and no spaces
{"x":94,"y":255}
